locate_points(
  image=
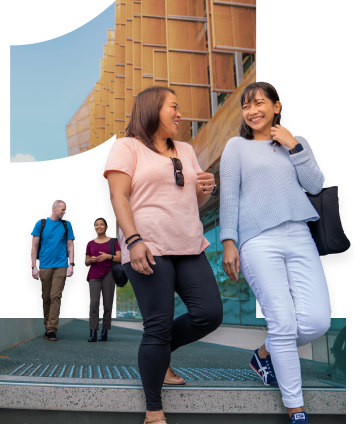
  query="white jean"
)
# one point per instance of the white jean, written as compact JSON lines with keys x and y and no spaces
{"x":283,"y":268}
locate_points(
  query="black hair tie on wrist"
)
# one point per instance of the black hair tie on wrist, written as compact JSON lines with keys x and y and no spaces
{"x":134,"y":235}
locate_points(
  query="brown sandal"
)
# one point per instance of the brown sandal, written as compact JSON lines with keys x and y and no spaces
{"x":173,"y":383}
{"x":156,"y":420}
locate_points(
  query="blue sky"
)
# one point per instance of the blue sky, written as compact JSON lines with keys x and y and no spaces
{"x":49,"y":81}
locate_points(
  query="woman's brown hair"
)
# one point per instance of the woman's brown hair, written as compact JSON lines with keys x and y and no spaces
{"x":248,"y":95}
{"x":145,"y":116}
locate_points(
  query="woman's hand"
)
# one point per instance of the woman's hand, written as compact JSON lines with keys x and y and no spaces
{"x":231,"y":261}
{"x":284,"y":136}
{"x":138,"y":258}
{"x":205,"y":182}
{"x":93,"y":259}
{"x":103,"y":257}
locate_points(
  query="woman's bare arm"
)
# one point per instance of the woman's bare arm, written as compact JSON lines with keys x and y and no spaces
{"x":119,"y":186}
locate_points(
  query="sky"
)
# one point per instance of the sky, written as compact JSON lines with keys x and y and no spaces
{"x":48,"y":83}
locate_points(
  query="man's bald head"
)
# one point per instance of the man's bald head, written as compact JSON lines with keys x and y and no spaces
{"x":57,"y":203}
{"x":58,"y":209}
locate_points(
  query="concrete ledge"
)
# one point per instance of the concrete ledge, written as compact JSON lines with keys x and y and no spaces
{"x":115,"y":398}
{"x":15,"y":331}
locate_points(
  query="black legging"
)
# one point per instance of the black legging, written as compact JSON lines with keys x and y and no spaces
{"x":192,"y":278}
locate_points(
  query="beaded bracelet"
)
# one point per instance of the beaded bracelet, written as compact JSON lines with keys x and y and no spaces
{"x":137,"y":241}
{"x":134,"y":235}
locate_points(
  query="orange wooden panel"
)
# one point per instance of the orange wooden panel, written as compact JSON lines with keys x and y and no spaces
{"x":122,"y":36}
{"x":82,"y":112}
{"x":71,"y":129}
{"x":129,"y":29}
{"x":117,"y":12}
{"x":73,"y":151}
{"x":129,"y":8}
{"x":111,"y":34}
{"x":137,"y":82}
{"x":111,"y":47}
{"x":83,"y":147}
{"x":111,"y":124}
{"x":242,"y":1}
{"x":129,"y":102}
{"x":123,"y":13}
{"x":97,"y":110}
{"x":137,"y":55}
{"x":129,"y":76}
{"x":188,"y":68}
{"x":186,"y":8}
{"x":153,"y":7}
{"x":83,"y":137}
{"x":153,"y":31}
{"x":119,"y":87}
{"x":129,"y":52}
{"x":83,"y":124}
{"x":147,"y":82}
{"x":137,"y":8}
{"x":147,"y":60}
{"x":160,"y":64}
{"x":184,"y":100}
{"x":72,"y":141}
{"x":235,"y":27}
{"x":200,"y":103}
{"x":119,"y":111}
{"x":101,"y":134}
{"x":137,"y":29}
{"x":193,"y":101}
{"x":111,"y":100}
{"x":223,"y":71}
{"x":111,"y":63}
{"x":117,"y":33}
{"x":187,"y":35}
{"x":119,"y":126}
{"x":184,"y":131}
{"x":120,"y":55}
{"x":161,"y":83}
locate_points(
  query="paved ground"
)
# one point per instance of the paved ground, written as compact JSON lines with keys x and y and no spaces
{"x":72,"y":349}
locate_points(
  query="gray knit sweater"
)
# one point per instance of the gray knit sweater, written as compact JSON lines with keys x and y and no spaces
{"x":262,"y":187}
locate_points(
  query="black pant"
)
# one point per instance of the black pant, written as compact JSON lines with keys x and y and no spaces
{"x":106,"y":285}
{"x":192,"y":278}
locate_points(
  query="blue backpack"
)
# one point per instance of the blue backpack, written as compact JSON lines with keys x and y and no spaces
{"x":43,"y":224}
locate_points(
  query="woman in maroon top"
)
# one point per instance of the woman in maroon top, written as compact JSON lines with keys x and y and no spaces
{"x":100,"y":279}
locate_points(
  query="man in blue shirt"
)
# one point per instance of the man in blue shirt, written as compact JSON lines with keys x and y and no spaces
{"x":55,"y":244}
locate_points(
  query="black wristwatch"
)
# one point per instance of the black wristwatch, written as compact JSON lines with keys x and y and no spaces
{"x":214,"y":191}
{"x":72,"y":264}
{"x":298,"y":148}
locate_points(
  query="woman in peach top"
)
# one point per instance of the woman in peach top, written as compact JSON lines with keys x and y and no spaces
{"x":156,"y":188}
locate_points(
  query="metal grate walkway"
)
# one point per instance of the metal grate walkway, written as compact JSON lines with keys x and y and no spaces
{"x":130,"y":373}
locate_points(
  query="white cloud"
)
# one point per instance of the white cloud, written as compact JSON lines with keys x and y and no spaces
{"x":20,"y":157}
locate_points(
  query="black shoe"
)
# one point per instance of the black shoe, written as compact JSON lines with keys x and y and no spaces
{"x":93,"y":336}
{"x":104,"y":336}
{"x":45,"y":336}
{"x":52,"y":336}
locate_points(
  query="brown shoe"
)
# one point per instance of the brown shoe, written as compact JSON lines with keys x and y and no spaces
{"x":45,"y":336}
{"x":156,"y":420}
{"x":52,"y":336}
{"x":173,"y":379}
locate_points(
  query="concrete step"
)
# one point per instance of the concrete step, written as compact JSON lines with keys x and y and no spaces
{"x":17,"y":416}
{"x":74,"y":375}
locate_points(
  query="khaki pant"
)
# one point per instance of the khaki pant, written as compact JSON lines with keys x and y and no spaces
{"x":53,"y":280}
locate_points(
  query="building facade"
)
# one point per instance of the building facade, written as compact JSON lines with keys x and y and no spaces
{"x":205,"y":51}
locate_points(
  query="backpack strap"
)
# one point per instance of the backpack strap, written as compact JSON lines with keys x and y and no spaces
{"x":43,"y":224}
{"x":64,"y":222}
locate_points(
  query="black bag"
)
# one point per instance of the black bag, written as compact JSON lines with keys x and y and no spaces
{"x":327,"y":231}
{"x":118,"y":272}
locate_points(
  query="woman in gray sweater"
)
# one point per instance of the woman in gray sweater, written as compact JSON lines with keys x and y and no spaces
{"x":264,"y":231}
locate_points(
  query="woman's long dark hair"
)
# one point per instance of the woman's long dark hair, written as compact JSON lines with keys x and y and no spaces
{"x":105,"y":222}
{"x":248,"y":95}
{"x":145,"y":116}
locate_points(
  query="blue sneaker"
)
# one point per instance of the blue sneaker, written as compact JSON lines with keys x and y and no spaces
{"x":299,"y":418}
{"x":264,"y":368}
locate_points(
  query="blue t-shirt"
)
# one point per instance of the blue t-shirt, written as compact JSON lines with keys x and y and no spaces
{"x":53,"y":253}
